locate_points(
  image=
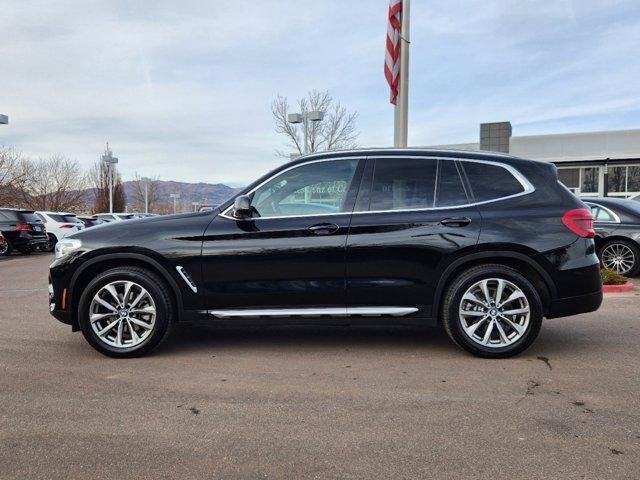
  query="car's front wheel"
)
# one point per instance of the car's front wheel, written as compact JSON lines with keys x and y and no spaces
{"x":492,"y":311}
{"x":125,"y":312}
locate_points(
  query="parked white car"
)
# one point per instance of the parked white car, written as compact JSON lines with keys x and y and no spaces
{"x":59,"y":225}
{"x":115,"y":217}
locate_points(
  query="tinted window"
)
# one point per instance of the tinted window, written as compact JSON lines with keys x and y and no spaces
{"x":311,"y":189}
{"x":29,"y":217}
{"x":450,"y":191}
{"x":489,"y":182}
{"x":70,"y":218}
{"x":401,"y":184}
{"x":57,"y":218}
{"x":7,"y":215}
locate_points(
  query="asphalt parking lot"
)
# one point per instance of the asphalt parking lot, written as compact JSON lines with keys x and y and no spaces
{"x":315,"y":402}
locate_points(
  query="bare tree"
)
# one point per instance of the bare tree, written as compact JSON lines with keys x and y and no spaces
{"x":99,"y":176}
{"x":55,"y":184}
{"x":13,"y":177}
{"x":138,"y":193}
{"x":336,"y":131}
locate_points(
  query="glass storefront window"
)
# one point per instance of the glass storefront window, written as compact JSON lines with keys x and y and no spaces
{"x":570,"y":177}
{"x":589,"y":180}
{"x":633,"y":179}
{"x":617,"y":181}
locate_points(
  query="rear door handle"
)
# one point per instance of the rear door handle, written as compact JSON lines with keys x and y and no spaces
{"x":455,"y":221}
{"x":324,"y":228}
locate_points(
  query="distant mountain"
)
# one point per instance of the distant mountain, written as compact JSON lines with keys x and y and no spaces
{"x":210,"y":193}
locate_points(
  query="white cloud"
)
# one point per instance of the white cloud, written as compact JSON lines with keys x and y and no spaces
{"x":183,"y":89}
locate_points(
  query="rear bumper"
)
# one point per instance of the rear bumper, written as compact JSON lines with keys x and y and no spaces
{"x":564,"y":307}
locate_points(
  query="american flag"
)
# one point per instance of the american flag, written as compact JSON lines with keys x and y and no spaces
{"x":392,"y":57}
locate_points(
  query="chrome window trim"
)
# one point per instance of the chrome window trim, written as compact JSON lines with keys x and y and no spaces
{"x":312,"y":312}
{"x":606,"y":209}
{"x":526,"y":185}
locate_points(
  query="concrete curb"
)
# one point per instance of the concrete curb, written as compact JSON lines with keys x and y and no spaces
{"x":625,"y":287}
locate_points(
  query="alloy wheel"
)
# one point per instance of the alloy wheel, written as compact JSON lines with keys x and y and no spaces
{"x":4,"y":247}
{"x":618,"y":257}
{"x":122,"y":314}
{"x":494,"y":313}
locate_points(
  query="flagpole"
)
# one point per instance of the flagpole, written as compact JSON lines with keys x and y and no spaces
{"x":402,"y":106}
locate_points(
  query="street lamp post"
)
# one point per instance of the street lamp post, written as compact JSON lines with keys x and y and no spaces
{"x":146,"y":193}
{"x":109,"y":160}
{"x":175,"y":197}
{"x":304,"y":118}
{"x":195,"y":206}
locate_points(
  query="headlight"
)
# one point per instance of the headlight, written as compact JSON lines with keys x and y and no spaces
{"x":66,"y":246}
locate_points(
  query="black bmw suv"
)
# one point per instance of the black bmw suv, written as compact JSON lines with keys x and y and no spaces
{"x":484,"y":244}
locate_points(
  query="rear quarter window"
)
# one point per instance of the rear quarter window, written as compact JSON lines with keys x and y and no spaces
{"x":491,"y":182}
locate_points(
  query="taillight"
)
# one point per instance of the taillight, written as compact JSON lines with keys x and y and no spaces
{"x":67,"y":225}
{"x":580,"y":222}
{"x":23,"y":227}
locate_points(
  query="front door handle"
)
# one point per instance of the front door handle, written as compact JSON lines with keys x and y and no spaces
{"x":455,"y":221}
{"x":324,"y":228}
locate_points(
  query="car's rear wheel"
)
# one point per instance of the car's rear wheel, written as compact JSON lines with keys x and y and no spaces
{"x":621,"y":256}
{"x":492,"y":311}
{"x":125,"y":312}
{"x":6,"y":248}
{"x":51,"y":243}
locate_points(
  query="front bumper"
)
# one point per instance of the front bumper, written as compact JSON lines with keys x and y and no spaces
{"x":564,"y":307}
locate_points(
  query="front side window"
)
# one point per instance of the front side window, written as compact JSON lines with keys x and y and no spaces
{"x":312,"y":189}
{"x":491,"y":182}
{"x":403,"y":184}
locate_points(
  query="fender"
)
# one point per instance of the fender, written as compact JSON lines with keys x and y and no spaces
{"x":446,"y":275}
{"x":134,"y":256}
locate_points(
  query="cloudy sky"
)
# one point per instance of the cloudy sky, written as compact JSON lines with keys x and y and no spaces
{"x":183,"y":89}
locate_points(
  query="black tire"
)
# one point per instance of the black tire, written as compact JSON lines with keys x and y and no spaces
{"x":162,"y":298}
{"x":635,"y":269}
{"x":51,"y":243}
{"x":7,"y":249}
{"x":452,"y":302}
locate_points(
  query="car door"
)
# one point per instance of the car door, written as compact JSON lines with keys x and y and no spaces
{"x":410,"y":223}
{"x":290,"y":254}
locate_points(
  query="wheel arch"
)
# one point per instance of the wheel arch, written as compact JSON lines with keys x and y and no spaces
{"x":612,"y":238}
{"x":105,"y":262}
{"x":533,"y":271}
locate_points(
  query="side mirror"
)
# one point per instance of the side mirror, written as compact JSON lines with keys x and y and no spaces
{"x":242,"y":207}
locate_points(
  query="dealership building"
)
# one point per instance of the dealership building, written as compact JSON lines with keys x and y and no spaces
{"x":589,"y":163}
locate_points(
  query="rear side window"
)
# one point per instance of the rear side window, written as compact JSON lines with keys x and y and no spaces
{"x":402,"y":184}
{"x":600,"y":214}
{"x":491,"y":182}
{"x":70,"y":218}
{"x":450,"y":191}
{"x":29,"y":217}
{"x":57,"y":218}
